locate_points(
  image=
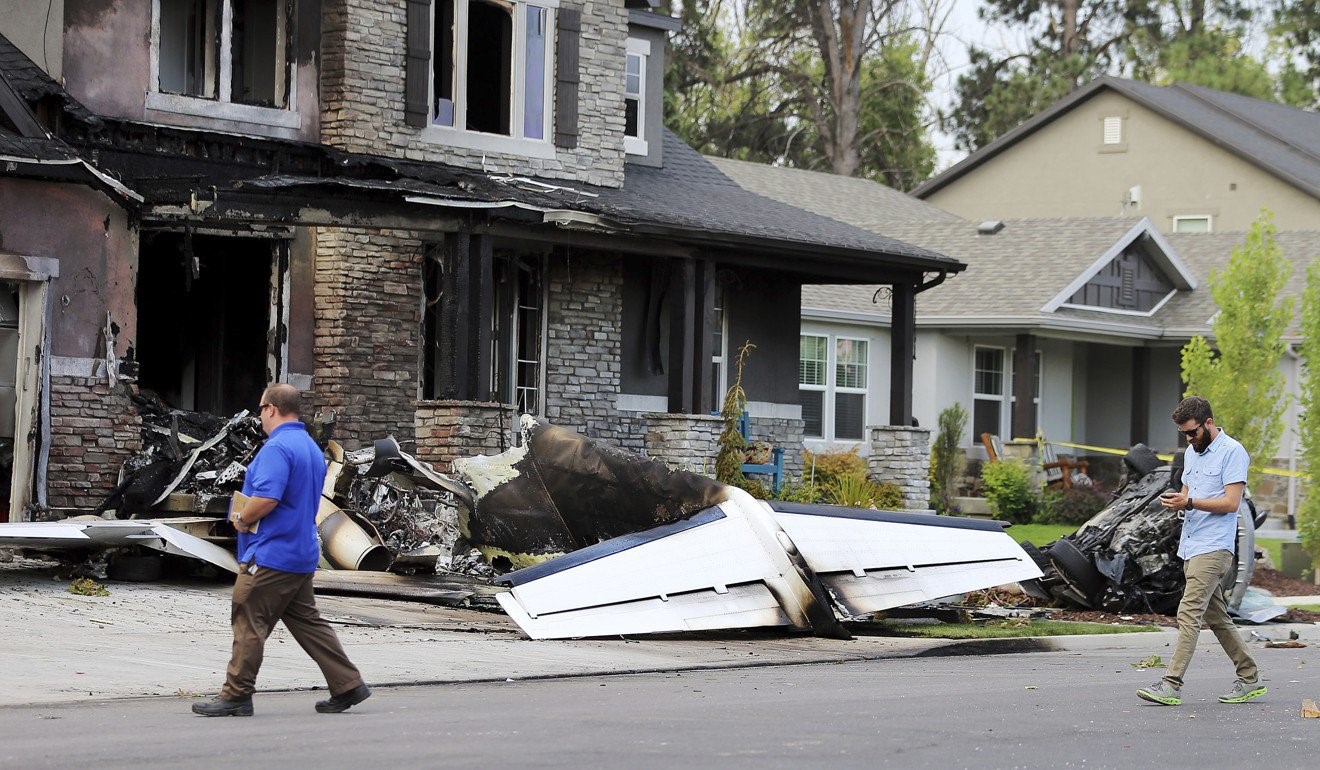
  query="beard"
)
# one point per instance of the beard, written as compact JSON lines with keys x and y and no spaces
{"x":1201,"y":441}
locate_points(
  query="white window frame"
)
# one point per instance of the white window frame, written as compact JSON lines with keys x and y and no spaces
{"x":1209,"y":222}
{"x":1004,"y":383}
{"x":515,"y":143}
{"x":825,"y":422}
{"x":831,"y":389}
{"x":637,"y":145}
{"x":220,"y":107}
{"x":720,"y":353}
{"x":835,"y":388}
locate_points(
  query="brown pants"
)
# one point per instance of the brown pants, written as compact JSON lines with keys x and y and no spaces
{"x":1203,"y":599}
{"x":259,"y":601}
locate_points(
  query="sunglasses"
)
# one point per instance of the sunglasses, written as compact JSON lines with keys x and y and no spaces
{"x":1193,"y":432}
{"x":262,"y":408}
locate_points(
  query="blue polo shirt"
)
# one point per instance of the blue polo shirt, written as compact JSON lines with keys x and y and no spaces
{"x":1205,"y":474}
{"x":290,"y":468}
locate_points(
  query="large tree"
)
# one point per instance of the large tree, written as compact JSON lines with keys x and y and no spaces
{"x":1240,"y":375}
{"x":1297,"y":34}
{"x":840,"y":85}
{"x":1070,"y":42}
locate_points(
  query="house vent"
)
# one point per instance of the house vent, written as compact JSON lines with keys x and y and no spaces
{"x":990,"y":227}
{"x":1113,"y":130}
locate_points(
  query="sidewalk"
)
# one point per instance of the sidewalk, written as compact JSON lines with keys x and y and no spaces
{"x":159,"y":639}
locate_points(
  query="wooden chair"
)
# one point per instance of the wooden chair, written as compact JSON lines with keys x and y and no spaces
{"x":1059,"y":469}
{"x":774,"y":468}
{"x":994,"y":448}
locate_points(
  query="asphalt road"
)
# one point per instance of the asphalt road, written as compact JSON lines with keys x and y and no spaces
{"x":1038,"y":710}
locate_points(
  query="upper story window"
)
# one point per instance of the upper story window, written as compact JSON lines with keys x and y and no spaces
{"x":1113,"y":129}
{"x":491,"y":67}
{"x":634,"y":96}
{"x":1192,"y":224}
{"x":232,"y":52}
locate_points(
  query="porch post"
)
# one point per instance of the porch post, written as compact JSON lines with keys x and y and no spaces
{"x":682,"y":337}
{"x":481,"y":306}
{"x":1140,"y":396}
{"x":902,"y":350}
{"x":1024,"y":377}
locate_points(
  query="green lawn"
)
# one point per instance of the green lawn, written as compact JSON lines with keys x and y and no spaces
{"x":1273,"y":548}
{"x":1040,"y":534}
{"x":1005,"y":629}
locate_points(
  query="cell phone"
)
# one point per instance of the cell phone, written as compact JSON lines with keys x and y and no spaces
{"x":1166,"y":495}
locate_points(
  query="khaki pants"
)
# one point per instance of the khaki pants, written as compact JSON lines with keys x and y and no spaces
{"x":259,"y":601}
{"x":1203,"y":599}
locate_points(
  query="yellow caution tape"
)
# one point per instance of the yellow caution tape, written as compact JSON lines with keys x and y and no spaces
{"x":1166,"y":457}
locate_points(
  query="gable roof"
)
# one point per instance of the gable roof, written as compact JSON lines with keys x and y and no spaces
{"x":1155,"y":248}
{"x":1281,"y":140}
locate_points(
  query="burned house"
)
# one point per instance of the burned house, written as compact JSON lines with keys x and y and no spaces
{"x":432,"y":215}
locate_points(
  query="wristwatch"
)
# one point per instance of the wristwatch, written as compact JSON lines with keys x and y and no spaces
{"x":1189,"y":505}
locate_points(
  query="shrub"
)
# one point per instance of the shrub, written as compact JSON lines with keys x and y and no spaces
{"x":858,"y":491}
{"x":826,"y":468}
{"x":946,"y":458}
{"x":1076,"y":505}
{"x":804,"y":492}
{"x":1009,"y":490}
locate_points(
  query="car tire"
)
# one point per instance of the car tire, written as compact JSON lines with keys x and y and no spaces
{"x":1077,"y":570}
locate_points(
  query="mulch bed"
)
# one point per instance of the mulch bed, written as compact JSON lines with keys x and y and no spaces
{"x":1270,"y":580}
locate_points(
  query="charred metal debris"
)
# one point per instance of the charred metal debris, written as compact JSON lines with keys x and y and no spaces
{"x":1124,"y":559}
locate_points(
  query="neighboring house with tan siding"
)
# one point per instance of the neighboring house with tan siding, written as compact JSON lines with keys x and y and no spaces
{"x":1190,"y":159}
{"x":1101,"y":305}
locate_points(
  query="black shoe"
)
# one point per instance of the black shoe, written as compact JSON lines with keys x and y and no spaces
{"x":344,"y":701}
{"x":219,"y":707}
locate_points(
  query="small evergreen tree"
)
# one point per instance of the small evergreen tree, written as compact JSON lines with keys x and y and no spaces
{"x":729,"y":458}
{"x":1242,"y":381}
{"x":1309,"y":520}
{"x":946,"y":458}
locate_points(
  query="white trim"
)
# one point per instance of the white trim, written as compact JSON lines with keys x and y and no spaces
{"x":1165,"y":256}
{"x":178,"y":104}
{"x":635,"y":146}
{"x":770,"y":410}
{"x":1120,"y":311}
{"x":474,"y":140}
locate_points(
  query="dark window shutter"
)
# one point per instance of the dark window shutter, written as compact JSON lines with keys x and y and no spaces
{"x":567,"y":77}
{"x":417,"y":65}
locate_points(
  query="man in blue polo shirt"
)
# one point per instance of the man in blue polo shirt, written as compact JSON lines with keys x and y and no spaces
{"x":277,"y":554}
{"x":1214,"y":477}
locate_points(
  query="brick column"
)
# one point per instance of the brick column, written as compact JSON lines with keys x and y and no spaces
{"x":450,"y":429}
{"x":684,"y":441}
{"x":901,"y":455}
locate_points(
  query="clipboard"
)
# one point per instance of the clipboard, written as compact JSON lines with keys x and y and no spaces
{"x":237,"y":504}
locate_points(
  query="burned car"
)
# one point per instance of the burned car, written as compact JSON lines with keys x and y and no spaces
{"x":1124,"y":559}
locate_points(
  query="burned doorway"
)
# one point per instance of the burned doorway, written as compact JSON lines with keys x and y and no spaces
{"x":210,"y":319}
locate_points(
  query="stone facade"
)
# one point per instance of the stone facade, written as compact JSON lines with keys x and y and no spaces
{"x":901,"y":456}
{"x":368,"y":313}
{"x":450,"y":429}
{"x":363,"y":46}
{"x":584,"y":350}
{"x":93,"y":430}
{"x":684,"y":441}
{"x":781,"y":432}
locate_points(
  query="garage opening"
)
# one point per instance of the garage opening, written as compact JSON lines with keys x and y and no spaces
{"x":205,"y":319}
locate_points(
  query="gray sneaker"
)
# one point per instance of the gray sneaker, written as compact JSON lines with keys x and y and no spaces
{"x":1243,"y":692}
{"x":1162,"y":693}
